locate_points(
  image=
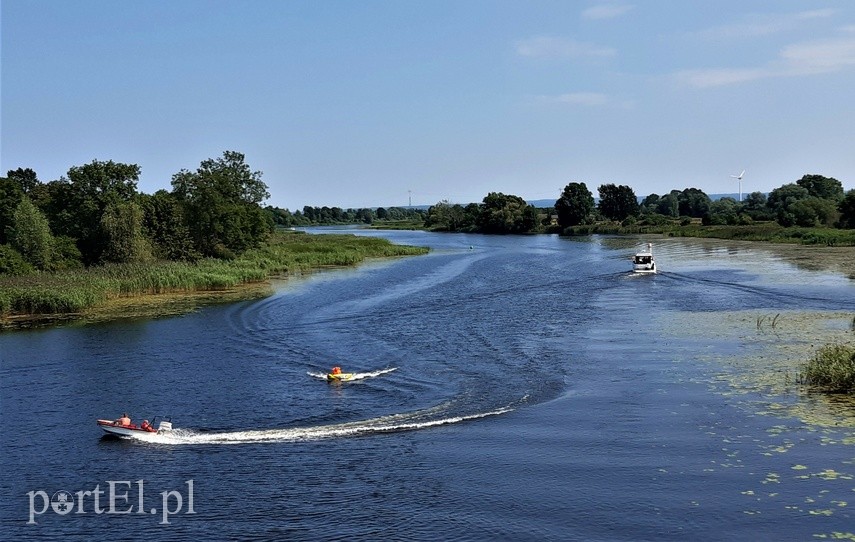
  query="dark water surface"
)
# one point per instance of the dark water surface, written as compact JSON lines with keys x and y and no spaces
{"x":536,"y":395}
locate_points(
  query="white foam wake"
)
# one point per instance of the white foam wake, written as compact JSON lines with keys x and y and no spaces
{"x":356,"y":376}
{"x":399,"y":422}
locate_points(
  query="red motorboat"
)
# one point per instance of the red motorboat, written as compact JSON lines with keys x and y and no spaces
{"x":116,"y":427}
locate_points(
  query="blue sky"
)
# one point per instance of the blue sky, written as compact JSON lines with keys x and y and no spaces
{"x":362,"y":103}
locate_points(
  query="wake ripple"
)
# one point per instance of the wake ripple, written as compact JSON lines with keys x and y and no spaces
{"x":387,"y":424}
{"x":356,"y":376}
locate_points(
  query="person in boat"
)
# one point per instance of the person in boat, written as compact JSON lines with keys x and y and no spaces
{"x":124,"y":420}
{"x":147,"y":426}
{"x":336,"y":370}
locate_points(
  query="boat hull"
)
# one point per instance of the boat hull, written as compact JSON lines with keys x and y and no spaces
{"x":112,"y":428}
{"x":648,"y":269}
{"x":339,"y":377}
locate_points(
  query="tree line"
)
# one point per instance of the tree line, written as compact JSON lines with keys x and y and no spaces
{"x":812,"y":201}
{"x":319,"y":216}
{"x":96,"y":215}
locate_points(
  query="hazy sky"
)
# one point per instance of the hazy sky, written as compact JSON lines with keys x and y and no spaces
{"x":357,"y":103}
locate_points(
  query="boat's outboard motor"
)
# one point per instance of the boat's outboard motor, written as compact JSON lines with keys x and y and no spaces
{"x":164,"y":426}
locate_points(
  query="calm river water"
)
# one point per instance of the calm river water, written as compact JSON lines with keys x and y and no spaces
{"x":515,"y":388}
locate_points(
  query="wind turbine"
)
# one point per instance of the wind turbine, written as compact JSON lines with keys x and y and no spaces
{"x":739,"y":178}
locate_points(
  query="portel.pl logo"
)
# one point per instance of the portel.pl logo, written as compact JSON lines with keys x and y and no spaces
{"x":118,"y":499}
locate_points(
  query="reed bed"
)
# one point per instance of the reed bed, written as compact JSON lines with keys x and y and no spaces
{"x":78,"y":290}
{"x":832,"y":369}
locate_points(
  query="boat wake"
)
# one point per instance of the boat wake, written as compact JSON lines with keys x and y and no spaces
{"x":356,"y":376}
{"x":386,"y":424}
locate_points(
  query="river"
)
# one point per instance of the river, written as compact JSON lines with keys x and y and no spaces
{"x":511,"y":388}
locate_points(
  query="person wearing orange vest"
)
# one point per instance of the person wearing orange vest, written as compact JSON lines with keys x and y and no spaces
{"x":336,"y":370}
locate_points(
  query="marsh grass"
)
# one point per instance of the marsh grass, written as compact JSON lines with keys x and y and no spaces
{"x":831,"y":370}
{"x":72,"y":292}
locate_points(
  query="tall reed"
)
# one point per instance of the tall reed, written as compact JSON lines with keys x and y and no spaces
{"x":74,"y":291}
{"x":831,"y":370}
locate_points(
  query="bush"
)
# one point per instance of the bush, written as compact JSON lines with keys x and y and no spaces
{"x":12,"y":263}
{"x":656,"y":219}
{"x":831,"y":370}
{"x":67,"y":255}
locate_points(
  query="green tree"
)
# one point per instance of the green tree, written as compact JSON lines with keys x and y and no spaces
{"x":30,"y":235}
{"x":502,"y":214}
{"x":755,"y":206}
{"x":723,"y":211}
{"x":669,"y":204}
{"x":25,"y":177}
{"x":364,"y":216}
{"x":445,"y":216}
{"x":782,"y":199}
{"x":122,"y":230}
{"x":10,"y":197}
{"x":575,"y":205}
{"x":438,"y":216}
{"x":165,"y":225}
{"x":79,"y":204}
{"x":785,"y":195}
{"x":12,"y":263}
{"x":617,"y":202}
{"x":66,"y":253}
{"x":847,"y":211}
{"x":53,"y":200}
{"x":813,"y":211}
{"x":822,"y":187}
{"x":649,"y":204}
{"x":222,"y":205}
{"x":693,"y":202}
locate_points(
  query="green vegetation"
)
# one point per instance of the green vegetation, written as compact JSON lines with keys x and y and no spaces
{"x":761,"y":231}
{"x":575,"y":206}
{"x":497,"y":214}
{"x":81,"y":243}
{"x":617,"y":202}
{"x":221,"y":204}
{"x":381,"y":217}
{"x":832,"y":370}
{"x":814,"y":210}
{"x":96,"y":215}
{"x":75,"y":243}
{"x":76,"y":291}
{"x":501,"y":213}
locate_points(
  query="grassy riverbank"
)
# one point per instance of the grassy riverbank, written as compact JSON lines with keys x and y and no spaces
{"x":768,"y":232}
{"x":73,"y":293}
